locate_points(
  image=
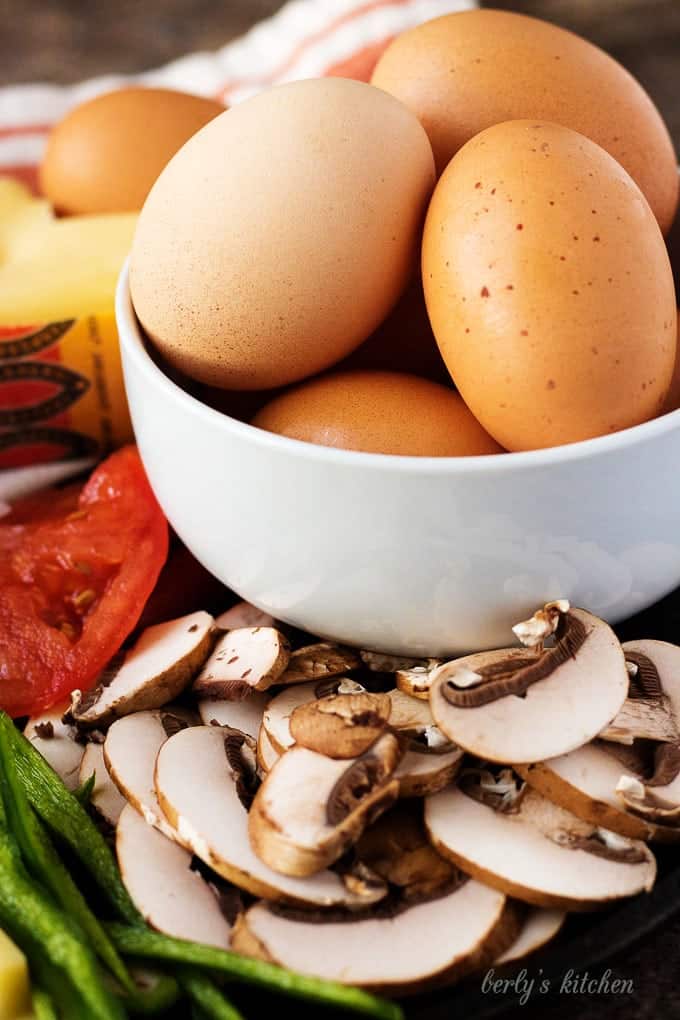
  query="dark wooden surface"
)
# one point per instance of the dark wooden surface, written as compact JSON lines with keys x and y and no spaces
{"x":66,"y":40}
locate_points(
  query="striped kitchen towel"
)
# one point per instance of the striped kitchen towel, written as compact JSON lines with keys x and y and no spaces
{"x":305,"y":39}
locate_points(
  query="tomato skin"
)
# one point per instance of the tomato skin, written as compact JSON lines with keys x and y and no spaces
{"x":74,"y":579}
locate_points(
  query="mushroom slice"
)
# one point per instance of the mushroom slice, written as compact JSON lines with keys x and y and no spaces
{"x":155,"y":670}
{"x":381,"y":662}
{"x":130,"y":751}
{"x":267,"y":755}
{"x":170,"y":895}
{"x":656,"y":798}
{"x":243,"y":660}
{"x":396,"y":848}
{"x":245,"y":715}
{"x":655,"y":672}
{"x":276,"y":716}
{"x":310,"y":808}
{"x":532,"y":849}
{"x":243,"y":614}
{"x":362,"y":880}
{"x":397,"y":949}
{"x":526,"y":705}
{"x":342,"y":725}
{"x":431,"y":760}
{"x":213,"y":824}
{"x":649,"y":712}
{"x":58,"y":742}
{"x":417,"y":680}
{"x":421,"y":772}
{"x":408,"y":714}
{"x":316,"y":662}
{"x":540,"y":926}
{"x":651,"y":789}
{"x":641,"y":719}
{"x":106,"y":797}
{"x":584,"y":782}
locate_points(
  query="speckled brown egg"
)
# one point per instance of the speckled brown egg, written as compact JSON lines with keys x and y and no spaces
{"x":464,"y":72}
{"x":549,"y":287}
{"x":672,"y":402}
{"x":283,"y":233}
{"x":378,"y":412}
{"x":106,"y":153}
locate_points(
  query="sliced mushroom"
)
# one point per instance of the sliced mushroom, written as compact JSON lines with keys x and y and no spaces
{"x":243,"y":615}
{"x":381,"y":662}
{"x":656,"y":797}
{"x":540,"y":926}
{"x":532,"y":849}
{"x":342,"y":725}
{"x":198,"y":792}
{"x":362,"y":880}
{"x":276,"y":716}
{"x":651,"y":788}
{"x":421,"y":773}
{"x":267,"y":755}
{"x":170,"y":895}
{"x":316,"y":662}
{"x":657,"y":671}
{"x":155,"y":670}
{"x":416,"y":680}
{"x":58,"y":743}
{"x":396,"y":848}
{"x":311,"y":808}
{"x":584,"y":782}
{"x":396,"y":951}
{"x":106,"y":797}
{"x":243,"y":660}
{"x":409,"y":714}
{"x":526,"y":705}
{"x":130,"y":751}
{"x":245,"y":715}
{"x":649,"y":713}
{"x":641,"y":719}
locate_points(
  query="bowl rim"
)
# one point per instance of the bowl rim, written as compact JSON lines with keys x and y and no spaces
{"x":131,"y":340}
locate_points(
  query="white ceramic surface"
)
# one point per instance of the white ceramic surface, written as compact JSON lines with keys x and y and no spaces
{"x":408,"y":554}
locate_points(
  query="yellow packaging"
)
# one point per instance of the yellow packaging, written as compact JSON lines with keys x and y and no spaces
{"x":61,"y":382}
{"x":15,"y":995}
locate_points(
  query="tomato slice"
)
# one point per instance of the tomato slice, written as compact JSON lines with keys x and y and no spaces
{"x":76,"y":570}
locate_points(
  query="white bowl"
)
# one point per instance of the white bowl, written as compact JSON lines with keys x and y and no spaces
{"x":408,"y":554}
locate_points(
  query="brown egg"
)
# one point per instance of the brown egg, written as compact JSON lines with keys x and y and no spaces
{"x":463,"y":72}
{"x":283,"y":233}
{"x":672,"y":402}
{"x":378,"y":412}
{"x":105,"y":154}
{"x":404,"y":342}
{"x":549,"y":287}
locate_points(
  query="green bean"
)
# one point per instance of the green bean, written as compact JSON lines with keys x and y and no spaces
{"x":152,"y":993}
{"x":62,"y":813}
{"x":43,"y":1005}
{"x":65,"y":1001}
{"x":43,"y":861}
{"x":142,"y":942}
{"x":38,"y":927}
{"x":84,"y":792}
{"x":204,"y":993}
